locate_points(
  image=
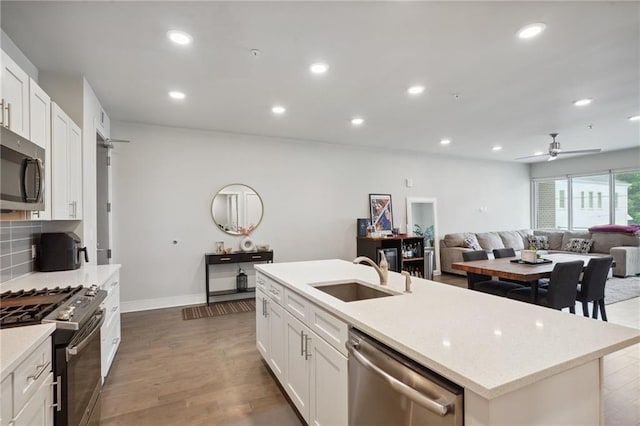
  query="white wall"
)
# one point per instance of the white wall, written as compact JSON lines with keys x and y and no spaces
{"x":165,"y":179}
{"x":18,"y":57}
{"x":613,"y":160}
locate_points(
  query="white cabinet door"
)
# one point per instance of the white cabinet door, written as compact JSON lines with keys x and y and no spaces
{"x":6,"y":400}
{"x":276,"y":339}
{"x":40,"y":131}
{"x":75,"y":170}
{"x":262,"y":324}
{"x":66,"y":167}
{"x":297,"y":366}
{"x":329,"y":384}
{"x":15,"y":97}
{"x":60,"y":123}
{"x":38,"y":410}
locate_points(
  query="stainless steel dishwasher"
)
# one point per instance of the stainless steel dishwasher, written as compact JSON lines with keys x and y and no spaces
{"x":387,"y":388}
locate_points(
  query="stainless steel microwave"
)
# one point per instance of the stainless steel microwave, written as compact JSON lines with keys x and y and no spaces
{"x":21,"y":173}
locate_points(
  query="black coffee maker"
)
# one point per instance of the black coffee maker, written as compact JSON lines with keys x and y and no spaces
{"x":59,"y":251}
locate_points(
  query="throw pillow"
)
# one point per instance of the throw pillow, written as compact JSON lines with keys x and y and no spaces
{"x":538,"y":242}
{"x":470,"y":241}
{"x":579,"y":245}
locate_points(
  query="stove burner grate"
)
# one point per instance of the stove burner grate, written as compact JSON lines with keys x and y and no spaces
{"x":26,"y":307}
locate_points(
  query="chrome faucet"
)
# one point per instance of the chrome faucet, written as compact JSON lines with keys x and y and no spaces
{"x":407,"y":281}
{"x":382,"y":270}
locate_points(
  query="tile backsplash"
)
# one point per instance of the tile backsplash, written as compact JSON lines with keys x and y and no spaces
{"x":16,"y":238}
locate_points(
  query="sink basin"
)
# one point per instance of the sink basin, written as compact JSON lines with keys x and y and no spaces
{"x":352,"y":291}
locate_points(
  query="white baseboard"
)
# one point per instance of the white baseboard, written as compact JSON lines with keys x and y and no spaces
{"x":161,"y":302}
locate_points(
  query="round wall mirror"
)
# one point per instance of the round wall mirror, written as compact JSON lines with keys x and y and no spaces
{"x":236,"y":206}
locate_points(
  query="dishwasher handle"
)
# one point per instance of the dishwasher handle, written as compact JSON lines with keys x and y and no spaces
{"x":406,"y":390}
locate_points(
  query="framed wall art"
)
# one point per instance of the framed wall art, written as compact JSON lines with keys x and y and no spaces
{"x":381,"y":213}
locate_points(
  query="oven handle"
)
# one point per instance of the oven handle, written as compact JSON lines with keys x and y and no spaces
{"x":77,"y":348}
{"x":401,"y":387}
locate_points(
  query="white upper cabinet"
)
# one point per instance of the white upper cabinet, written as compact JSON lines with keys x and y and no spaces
{"x":14,"y":97}
{"x":66,"y":173}
{"x":40,"y":131}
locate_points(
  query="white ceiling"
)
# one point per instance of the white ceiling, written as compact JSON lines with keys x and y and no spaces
{"x":512,"y":92}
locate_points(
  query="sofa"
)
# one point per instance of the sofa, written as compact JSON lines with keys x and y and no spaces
{"x":624,"y":248}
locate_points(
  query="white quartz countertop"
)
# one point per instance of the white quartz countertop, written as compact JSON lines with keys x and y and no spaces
{"x":488,"y":344}
{"x":18,"y":342}
{"x":86,"y":276}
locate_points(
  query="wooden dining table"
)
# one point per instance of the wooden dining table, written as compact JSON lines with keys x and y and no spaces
{"x":524,"y":272}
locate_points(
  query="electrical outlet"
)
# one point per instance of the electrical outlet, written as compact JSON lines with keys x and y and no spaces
{"x":33,"y":251}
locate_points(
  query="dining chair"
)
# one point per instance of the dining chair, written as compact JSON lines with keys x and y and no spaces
{"x":485,"y":283}
{"x":561,"y":292}
{"x":504,"y":252}
{"x":591,"y":288}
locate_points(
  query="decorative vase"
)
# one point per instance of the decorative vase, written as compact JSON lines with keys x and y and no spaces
{"x":247,"y":244}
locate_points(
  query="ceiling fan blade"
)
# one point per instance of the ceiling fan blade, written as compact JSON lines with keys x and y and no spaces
{"x":531,"y":156}
{"x":580,"y":151}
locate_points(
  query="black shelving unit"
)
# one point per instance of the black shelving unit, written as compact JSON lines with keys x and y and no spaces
{"x":369,"y":246}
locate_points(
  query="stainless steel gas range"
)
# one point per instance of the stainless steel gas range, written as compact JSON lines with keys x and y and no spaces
{"x":77,"y":314}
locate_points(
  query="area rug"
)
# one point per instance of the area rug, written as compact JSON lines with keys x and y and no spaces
{"x":217,"y":309}
{"x":619,"y":289}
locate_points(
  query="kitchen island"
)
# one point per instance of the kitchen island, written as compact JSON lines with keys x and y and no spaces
{"x":518,"y":363}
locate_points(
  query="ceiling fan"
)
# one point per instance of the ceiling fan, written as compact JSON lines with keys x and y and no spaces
{"x":555,"y":150}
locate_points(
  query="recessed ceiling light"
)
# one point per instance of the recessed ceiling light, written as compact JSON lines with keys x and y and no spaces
{"x":445,"y":141}
{"x":634,"y":118}
{"x":496,"y":148}
{"x":538,"y":153}
{"x":174,"y":94}
{"x":532,"y":30}
{"x":415,"y":90}
{"x":319,"y":68}
{"x":582,"y":102}
{"x":277,"y":109}
{"x":179,"y":37}
{"x":357,"y":121}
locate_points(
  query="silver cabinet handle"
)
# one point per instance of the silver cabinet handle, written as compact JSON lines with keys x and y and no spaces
{"x":115,"y":340}
{"x":266,"y":307}
{"x":307,"y":355}
{"x":58,"y":385}
{"x":406,"y":390}
{"x":39,"y":370}
{"x":8,"y":115}
{"x":2,"y":110}
{"x":301,"y":343}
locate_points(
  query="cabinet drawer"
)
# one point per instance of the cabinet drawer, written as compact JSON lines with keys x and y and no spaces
{"x":30,"y":374}
{"x":216,"y":259}
{"x":38,"y":410}
{"x":113,"y":283}
{"x":275,"y":290}
{"x":297,"y":305}
{"x":111,"y":305}
{"x":330,"y":328}
{"x":261,"y":281}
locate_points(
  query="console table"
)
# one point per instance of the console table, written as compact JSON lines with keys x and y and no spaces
{"x":235,"y":257}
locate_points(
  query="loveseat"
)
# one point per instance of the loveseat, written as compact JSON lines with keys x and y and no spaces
{"x":624,"y":248}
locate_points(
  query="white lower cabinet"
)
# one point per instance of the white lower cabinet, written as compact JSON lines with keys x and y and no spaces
{"x":27,"y":391}
{"x":38,"y":410}
{"x":110,"y":331}
{"x":312,"y":371}
{"x":297,"y":371}
{"x":262,"y":324}
{"x":329,"y":393}
{"x":276,"y":357}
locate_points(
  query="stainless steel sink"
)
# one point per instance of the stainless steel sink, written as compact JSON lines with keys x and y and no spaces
{"x":352,"y":291}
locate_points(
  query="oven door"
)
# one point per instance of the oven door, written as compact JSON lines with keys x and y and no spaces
{"x":83,"y":381}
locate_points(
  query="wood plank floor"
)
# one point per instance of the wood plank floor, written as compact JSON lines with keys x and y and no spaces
{"x":208,"y":372}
